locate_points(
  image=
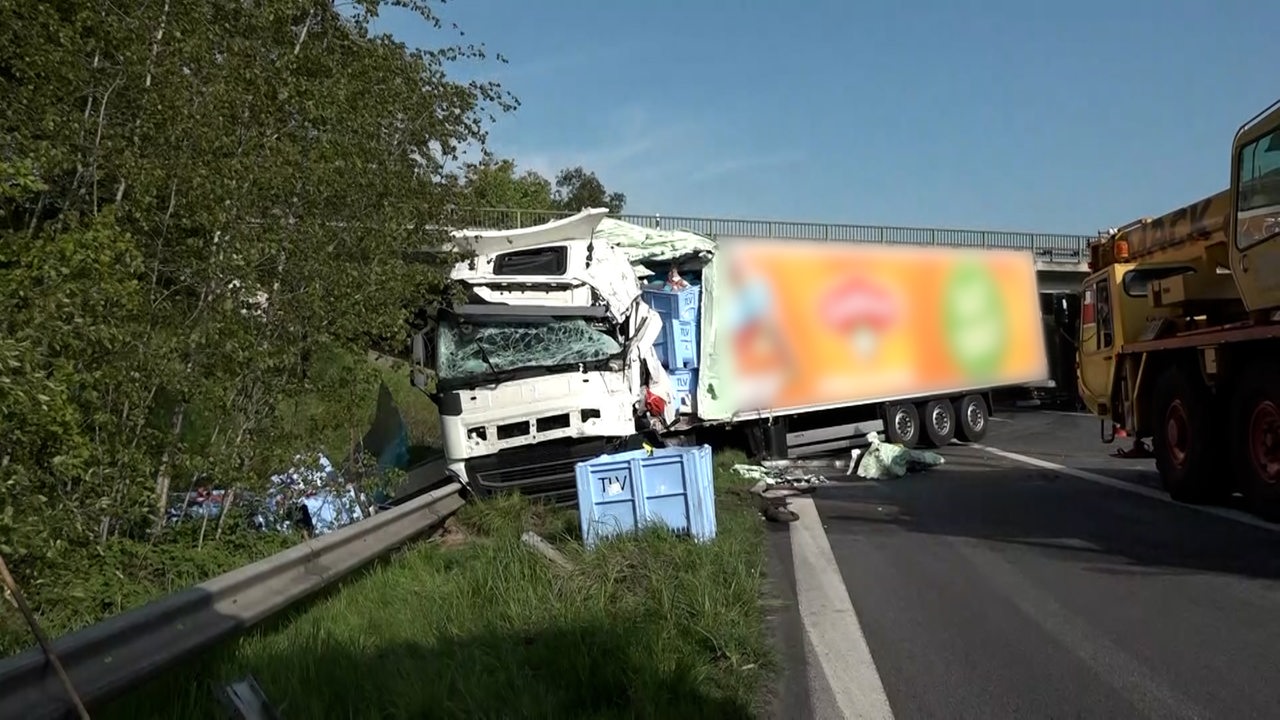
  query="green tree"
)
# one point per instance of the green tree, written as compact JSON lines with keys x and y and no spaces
{"x":577,"y":188}
{"x":499,"y":183}
{"x":196,"y":199}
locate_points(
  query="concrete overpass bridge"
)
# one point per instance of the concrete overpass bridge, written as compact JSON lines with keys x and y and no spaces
{"x":1060,"y":259}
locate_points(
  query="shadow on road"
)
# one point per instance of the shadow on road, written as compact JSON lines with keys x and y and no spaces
{"x":1109,"y":530}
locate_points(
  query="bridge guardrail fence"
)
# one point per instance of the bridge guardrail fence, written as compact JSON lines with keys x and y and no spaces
{"x":1047,"y":247}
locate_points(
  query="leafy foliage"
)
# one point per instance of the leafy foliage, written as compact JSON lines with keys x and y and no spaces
{"x":498,"y":183}
{"x":197,"y":201}
{"x":576,"y":188}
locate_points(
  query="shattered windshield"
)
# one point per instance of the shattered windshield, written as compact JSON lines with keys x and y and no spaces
{"x":482,"y":349}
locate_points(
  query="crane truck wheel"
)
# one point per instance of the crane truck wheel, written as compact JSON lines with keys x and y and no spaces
{"x":938,"y":421}
{"x":902,"y":424}
{"x":971,"y":418}
{"x":1255,"y":429}
{"x":1184,"y":439}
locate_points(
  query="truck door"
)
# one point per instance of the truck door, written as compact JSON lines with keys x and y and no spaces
{"x":1097,"y":341}
{"x":1257,"y":222}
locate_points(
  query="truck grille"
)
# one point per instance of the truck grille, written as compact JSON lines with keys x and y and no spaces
{"x":545,"y":471}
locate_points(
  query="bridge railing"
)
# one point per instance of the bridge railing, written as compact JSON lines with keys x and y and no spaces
{"x":1053,"y":248}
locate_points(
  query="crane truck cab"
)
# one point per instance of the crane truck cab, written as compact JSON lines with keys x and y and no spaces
{"x":1180,"y":332}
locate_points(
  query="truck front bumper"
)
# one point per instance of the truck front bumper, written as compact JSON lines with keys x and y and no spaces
{"x":545,"y":471}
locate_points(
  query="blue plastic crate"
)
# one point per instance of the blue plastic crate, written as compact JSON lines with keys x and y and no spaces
{"x":685,"y":383}
{"x":627,"y":491}
{"x":677,"y":344}
{"x":674,"y":304}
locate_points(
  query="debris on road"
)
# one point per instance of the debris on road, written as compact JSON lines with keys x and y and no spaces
{"x":777,"y":483}
{"x":1140,"y":451}
{"x":888,"y":461}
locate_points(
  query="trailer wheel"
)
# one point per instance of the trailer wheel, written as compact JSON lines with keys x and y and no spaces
{"x":938,"y":421}
{"x":1188,"y":450}
{"x":971,"y":418}
{"x":902,"y":424}
{"x":1255,"y":429}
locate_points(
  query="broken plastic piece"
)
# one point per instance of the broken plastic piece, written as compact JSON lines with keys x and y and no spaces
{"x":655,"y":404}
{"x":245,"y":700}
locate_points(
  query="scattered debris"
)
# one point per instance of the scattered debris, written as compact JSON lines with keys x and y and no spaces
{"x":546,"y":549}
{"x":1139,"y":451}
{"x":775,"y":484}
{"x":451,"y":534}
{"x":245,"y":700}
{"x":826,"y":463}
{"x":311,"y":496}
{"x":854,"y":454}
{"x":316,"y":498}
{"x":314,"y":495}
{"x":887,"y":461}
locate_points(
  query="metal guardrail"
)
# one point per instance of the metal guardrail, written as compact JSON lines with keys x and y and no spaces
{"x":121,"y":652}
{"x":1047,"y":247}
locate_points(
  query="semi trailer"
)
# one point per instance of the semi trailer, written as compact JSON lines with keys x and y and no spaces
{"x":588,"y":335}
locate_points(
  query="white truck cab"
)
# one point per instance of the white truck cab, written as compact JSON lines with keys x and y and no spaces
{"x":544,"y":361}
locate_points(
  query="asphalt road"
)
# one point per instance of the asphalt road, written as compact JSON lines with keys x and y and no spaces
{"x":991,"y":588}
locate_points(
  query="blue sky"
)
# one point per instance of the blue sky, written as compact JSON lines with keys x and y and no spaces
{"x":1038,"y":116}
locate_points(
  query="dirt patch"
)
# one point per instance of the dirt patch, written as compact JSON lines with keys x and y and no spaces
{"x":452,"y":534}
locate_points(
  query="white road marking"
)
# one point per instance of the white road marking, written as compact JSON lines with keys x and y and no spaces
{"x":830,"y":623}
{"x":993,"y":418}
{"x":1136,"y":489}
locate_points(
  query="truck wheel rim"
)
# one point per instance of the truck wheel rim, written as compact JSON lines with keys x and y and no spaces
{"x":974,"y":414}
{"x":941,"y":420}
{"x":1177,"y":433}
{"x":1264,"y":441}
{"x":902,"y":423}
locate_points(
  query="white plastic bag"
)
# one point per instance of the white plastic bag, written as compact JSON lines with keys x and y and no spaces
{"x":888,"y":461}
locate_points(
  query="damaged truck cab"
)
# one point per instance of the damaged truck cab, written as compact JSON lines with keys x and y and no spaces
{"x":540,"y":364}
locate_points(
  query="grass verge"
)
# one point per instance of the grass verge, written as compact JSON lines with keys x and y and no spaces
{"x":476,"y":624}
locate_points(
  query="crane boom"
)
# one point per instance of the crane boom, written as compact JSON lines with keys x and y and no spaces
{"x":1183,"y":232}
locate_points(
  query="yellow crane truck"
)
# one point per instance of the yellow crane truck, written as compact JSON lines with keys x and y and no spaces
{"x":1180,"y":332}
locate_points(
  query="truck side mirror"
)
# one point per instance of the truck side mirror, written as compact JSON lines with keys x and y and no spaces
{"x":423,"y":369}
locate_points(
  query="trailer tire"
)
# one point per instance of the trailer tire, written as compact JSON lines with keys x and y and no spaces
{"x":1255,"y":433}
{"x":972,"y":418}
{"x":902,"y":424}
{"x":1185,"y":441}
{"x":938,"y":421}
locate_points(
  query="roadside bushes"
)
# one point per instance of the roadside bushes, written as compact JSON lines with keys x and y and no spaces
{"x":204,"y":208}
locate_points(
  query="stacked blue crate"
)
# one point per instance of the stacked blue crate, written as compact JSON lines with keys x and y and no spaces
{"x":677,"y":344}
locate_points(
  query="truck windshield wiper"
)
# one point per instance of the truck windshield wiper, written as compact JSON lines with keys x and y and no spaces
{"x":484,"y":356}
